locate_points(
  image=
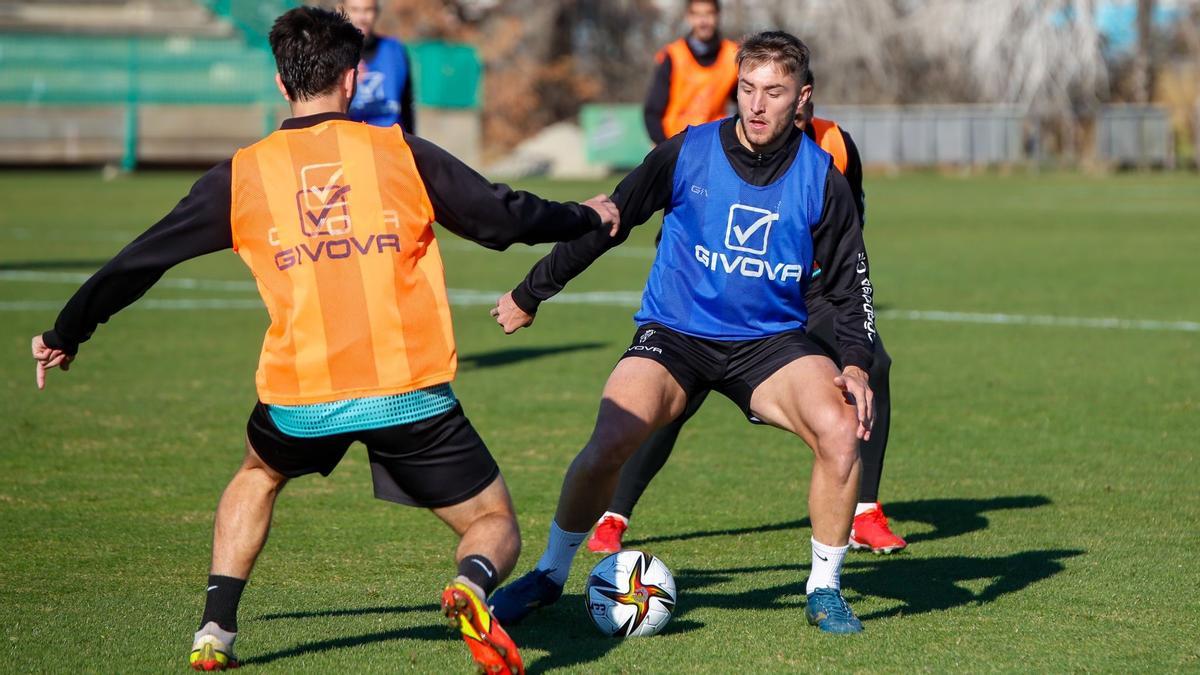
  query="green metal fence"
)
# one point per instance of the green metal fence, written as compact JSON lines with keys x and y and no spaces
{"x":45,"y":69}
{"x":104,"y":71}
{"x":252,"y":17}
{"x":38,"y":70}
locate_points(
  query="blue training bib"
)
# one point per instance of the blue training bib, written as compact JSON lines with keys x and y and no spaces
{"x":380,"y":85}
{"x":735,"y":259}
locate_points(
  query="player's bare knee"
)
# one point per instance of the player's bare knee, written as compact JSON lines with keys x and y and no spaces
{"x":837,"y":443}
{"x":840,"y":457}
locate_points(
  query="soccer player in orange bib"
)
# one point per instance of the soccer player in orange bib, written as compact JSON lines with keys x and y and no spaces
{"x":695,"y":78}
{"x":334,"y":219}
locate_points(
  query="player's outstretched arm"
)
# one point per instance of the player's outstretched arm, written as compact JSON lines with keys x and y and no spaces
{"x":646,"y":189}
{"x":846,"y":284}
{"x":495,"y":215}
{"x":198,"y":224}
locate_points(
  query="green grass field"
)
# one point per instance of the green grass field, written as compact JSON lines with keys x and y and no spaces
{"x":1045,"y":470}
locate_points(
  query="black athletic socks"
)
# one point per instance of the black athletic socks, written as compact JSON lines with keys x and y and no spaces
{"x":224,"y":594}
{"x":480,"y":571}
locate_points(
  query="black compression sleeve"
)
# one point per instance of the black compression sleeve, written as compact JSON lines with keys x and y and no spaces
{"x":854,"y":176}
{"x":845,"y":274}
{"x":491,"y":214}
{"x":198,"y":224}
{"x":656,"y":101}
{"x":645,"y":190}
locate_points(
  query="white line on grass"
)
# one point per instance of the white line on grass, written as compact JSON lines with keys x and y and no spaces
{"x":76,"y":278}
{"x":1041,"y":320}
{"x":629,"y":299}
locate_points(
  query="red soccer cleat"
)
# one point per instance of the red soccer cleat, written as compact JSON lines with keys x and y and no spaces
{"x":871,"y":532}
{"x":607,"y":536}
{"x":490,"y":646}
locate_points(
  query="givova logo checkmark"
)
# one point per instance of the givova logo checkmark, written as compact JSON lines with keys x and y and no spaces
{"x":323,"y":200}
{"x":749,"y":228}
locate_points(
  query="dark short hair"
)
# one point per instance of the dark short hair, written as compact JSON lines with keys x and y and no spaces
{"x":687,"y":4}
{"x":775,"y":46}
{"x":312,"y":48}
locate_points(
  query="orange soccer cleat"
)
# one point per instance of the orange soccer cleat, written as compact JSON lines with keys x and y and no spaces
{"x":490,"y":646}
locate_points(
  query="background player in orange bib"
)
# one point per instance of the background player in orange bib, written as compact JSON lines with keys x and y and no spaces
{"x":695,"y":77}
{"x":334,"y":219}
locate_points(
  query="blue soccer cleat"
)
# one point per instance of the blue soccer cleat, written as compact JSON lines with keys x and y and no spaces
{"x":517,"y":600}
{"x":827,"y":610}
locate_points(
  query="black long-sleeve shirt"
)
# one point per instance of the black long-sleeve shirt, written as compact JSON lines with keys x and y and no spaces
{"x":464,"y":202}
{"x":854,"y":171}
{"x":837,"y":237}
{"x":659,"y":94}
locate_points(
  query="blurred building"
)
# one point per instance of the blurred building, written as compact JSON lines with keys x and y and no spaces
{"x":509,"y":82}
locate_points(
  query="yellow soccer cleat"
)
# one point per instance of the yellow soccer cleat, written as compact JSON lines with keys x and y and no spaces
{"x":490,"y":646}
{"x":210,"y":653}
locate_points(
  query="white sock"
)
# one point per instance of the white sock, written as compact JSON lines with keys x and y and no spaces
{"x":211,"y":628}
{"x":618,"y":516}
{"x":460,"y":579}
{"x":826,"y":566}
{"x":560,"y":552}
{"x":863,"y":507}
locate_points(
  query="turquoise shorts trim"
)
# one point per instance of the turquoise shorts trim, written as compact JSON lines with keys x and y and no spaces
{"x":360,"y":414}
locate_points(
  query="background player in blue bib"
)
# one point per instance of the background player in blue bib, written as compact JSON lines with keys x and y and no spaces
{"x":384,"y":95}
{"x":750,"y":202}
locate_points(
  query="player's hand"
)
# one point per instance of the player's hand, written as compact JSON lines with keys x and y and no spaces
{"x":48,"y":358}
{"x":853,"y":383}
{"x":510,"y":317}
{"x":609,"y":215}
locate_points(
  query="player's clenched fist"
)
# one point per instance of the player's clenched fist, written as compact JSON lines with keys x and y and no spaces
{"x":609,"y":215}
{"x":48,"y":358}
{"x":510,"y":317}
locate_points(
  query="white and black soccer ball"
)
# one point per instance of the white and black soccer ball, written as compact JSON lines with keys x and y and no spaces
{"x":630,"y":594}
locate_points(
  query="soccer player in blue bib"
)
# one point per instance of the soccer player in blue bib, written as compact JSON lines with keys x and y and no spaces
{"x":750,"y":202}
{"x":384,"y":95}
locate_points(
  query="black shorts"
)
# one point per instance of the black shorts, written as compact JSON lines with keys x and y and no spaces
{"x":439,"y":461}
{"x":734,"y":368}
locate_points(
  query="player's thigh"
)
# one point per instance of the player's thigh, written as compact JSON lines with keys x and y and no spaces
{"x":640,"y":396}
{"x":283,"y":456}
{"x":435,"y":462}
{"x":801,"y":397}
{"x":492,"y":500}
{"x":253,"y":462}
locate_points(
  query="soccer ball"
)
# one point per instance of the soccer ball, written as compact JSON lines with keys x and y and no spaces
{"x":630,"y":594}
